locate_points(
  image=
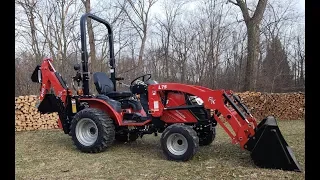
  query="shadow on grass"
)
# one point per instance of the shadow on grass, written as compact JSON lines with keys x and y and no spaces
{"x":149,"y":147}
{"x":221,"y":151}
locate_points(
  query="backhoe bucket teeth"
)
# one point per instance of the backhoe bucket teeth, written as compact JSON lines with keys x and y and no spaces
{"x":269,"y":149}
{"x":49,"y":104}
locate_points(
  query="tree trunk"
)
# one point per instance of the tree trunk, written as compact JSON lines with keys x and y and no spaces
{"x":253,"y":40}
{"x":65,"y":40}
{"x":91,"y":38}
{"x":252,"y":24}
{"x":141,"y":52}
{"x":301,"y":57}
{"x":258,"y":70}
{"x":29,"y":9}
{"x":166,"y":54}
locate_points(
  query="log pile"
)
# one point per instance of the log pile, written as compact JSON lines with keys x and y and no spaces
{"x":28,"y":118}
{"x":284,"y":106}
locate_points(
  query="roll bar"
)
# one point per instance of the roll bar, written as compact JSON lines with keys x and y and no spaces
{"x":84,"y":52}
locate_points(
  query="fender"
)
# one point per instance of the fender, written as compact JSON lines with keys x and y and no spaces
{"x":102,"y":105}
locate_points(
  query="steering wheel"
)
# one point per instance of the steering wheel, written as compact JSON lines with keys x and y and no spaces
{"x":144,"y":78}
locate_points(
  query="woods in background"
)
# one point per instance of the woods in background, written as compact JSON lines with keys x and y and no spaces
{"x":203,"y":42}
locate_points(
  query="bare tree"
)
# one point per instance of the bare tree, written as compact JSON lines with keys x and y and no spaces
{"x":201,"y":44}
{"x":171,"y":10}
{"x":29,"y":7}
{"x":92,"y":53}
{"x":252,"y":24}
{"x":300,"y":55}
{"x":182,"y":39}
{"x":139,"y":20}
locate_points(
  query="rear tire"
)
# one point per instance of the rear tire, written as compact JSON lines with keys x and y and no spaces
{"x":206,"y":138}
{"x":92,"y":130}
{"x":179,"y":142}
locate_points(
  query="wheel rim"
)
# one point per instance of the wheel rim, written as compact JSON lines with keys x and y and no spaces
{"x":86,"y":131}
{"x":177,"y":144}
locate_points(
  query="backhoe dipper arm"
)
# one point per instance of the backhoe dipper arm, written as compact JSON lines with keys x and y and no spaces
{"x":242,"y":124}
{"x":54,"y":92}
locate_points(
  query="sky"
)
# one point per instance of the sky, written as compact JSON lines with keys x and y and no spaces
{"x":157,"y":9}
{"x":302,"y":4}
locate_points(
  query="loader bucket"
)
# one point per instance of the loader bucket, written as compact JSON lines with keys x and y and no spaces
{"x":269,"y":149}
{"x":49,"y":104}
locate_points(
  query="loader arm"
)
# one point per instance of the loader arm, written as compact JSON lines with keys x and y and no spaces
{"x":242,"y":123}
{"x":265,"y":142}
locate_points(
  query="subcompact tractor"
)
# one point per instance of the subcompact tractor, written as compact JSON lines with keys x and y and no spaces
{"x":186,"y":115}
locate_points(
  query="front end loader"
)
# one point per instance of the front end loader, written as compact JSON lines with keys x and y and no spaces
{"x":185,"y":115}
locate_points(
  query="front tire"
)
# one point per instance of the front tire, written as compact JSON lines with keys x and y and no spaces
{"x":179,"y":142}
{"x":206,"y":138}
{"x":92,"y":130}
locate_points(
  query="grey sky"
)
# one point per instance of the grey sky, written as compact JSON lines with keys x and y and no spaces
{"x":302,"y":4}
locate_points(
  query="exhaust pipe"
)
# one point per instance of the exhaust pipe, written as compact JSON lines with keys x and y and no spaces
{"x":269,"y":149}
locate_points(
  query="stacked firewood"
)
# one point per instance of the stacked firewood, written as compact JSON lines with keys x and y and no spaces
{"x":284,"y":106}
{"x":28,"y":118}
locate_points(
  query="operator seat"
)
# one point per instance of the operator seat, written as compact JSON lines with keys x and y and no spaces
{"x":105,"y":86}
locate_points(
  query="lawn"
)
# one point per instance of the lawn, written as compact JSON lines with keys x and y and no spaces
{"x":50,"y":154}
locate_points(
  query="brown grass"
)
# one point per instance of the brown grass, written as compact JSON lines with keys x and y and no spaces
{"x":50,"y":154}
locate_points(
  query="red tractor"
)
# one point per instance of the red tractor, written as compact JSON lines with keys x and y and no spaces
{"x":186,"y":115}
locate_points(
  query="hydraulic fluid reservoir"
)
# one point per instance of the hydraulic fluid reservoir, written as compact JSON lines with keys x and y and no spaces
{"x":74,"y":106}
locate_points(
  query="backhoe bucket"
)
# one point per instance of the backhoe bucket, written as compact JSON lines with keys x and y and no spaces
{"x":269,"y":149}
{"x":49,"y":104}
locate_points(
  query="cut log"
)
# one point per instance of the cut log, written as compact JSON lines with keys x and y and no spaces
{"x":284,"y":106}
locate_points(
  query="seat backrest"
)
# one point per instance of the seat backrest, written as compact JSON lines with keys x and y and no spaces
{"x":103,"y":83}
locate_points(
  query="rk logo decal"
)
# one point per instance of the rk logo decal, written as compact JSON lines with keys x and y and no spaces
{"x":211,"y":100}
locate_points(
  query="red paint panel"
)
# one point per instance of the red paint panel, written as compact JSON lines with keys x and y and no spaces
{"x":177,"y":116}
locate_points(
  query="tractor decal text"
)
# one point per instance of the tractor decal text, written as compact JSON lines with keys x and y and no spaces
{"x":162,"y":86}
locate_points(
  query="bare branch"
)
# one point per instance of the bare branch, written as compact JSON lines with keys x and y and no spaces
{"x":258,"y":14}
{"x":244,"y":10}
{"x":233,"y":2}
